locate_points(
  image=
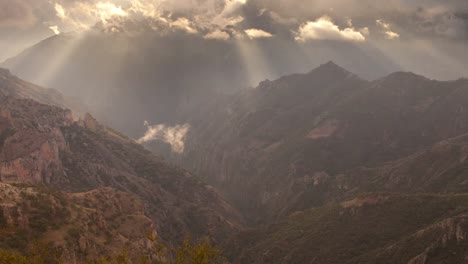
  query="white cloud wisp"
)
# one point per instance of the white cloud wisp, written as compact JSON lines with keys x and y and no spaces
{"x":172,"y":135}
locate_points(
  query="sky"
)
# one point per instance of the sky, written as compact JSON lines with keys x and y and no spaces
{"x":425,"y":36}
{"x":155,"y":58}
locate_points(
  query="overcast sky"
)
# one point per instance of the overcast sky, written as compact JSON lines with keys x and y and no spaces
{"x":425,"y":36}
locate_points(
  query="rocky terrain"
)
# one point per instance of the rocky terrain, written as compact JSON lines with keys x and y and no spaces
{"x":143,"y":82}
{"x":100,"y":171}
{"x":323,"y":167}
{"x":277,"y":148}
{"x":12,"y":86}
{"x":81,"y":225}
{"x":377,"y":228}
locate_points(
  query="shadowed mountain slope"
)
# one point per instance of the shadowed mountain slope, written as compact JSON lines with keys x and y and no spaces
{"x":42,"y":144}
{"x":374,"y":228}
{"x":276,"y":144}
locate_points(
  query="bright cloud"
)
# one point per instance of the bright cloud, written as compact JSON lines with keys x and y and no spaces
{"x":254,"y":33}
{"x":60,"y":11}
{"x":55,"y":29}
{"x":174,"y":136}
{"x":386,"y":27}
{"x":83,"y":15}
{"x":383,"y":24}
{"x":324,"y":29}
{"x":107,"y":10}
{"x":217,"y":34}
{"x":365,"y":31}
{"x":185,"y":25}
{"x":232,"y":6}
{"x":391,"y":35}
{"x":205,"y":16}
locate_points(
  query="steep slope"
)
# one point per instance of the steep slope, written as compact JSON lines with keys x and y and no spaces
{"x":148,"y":76}
{"x":81,"y":226}
{"x":14,"y":86}
{"x":155,"y":76}
{"x":238,"y":144}
{"x":441,"y":168}
{"x":42,"y":144}
{"x":375,"y":228}
{"x":276,"y":143}
{"x":321,"y":139}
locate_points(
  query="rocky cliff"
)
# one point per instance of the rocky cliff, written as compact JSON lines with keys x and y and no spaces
{"x":374,"y":228}
{"x":42,"y":144}
{"x":273,"y":148}
{"x":81,"y":226}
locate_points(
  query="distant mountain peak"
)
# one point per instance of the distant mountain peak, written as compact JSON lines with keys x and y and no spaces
{"x":330,"y":65}
{"x":403,"y":75}
{"x":4,"y":72}
{"x":332,"y":70}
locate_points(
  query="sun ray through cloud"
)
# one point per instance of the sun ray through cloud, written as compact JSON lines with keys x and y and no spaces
{"x":253,"y":59}
{"x":61,"y":56}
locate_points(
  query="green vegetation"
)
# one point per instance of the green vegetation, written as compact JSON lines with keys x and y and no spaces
{"x":359,"y":231}
{"x":187,"y":253}
{"x":39,"y":254}
{"x":13,"y":237}
{"x":5,"y":134}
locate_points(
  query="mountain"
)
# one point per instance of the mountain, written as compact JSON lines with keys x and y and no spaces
{"x":82,"y":225}
{"x":99,"y":171}
{"x":14,"y":86}
{"x":158,"y":77}
{"x":378,"y":228}
{"x":321,"y":167}
{"x":440,"y":168}
{"x":149,"y":77}
{"x":272,"y":149}
{"x":331,"y":168}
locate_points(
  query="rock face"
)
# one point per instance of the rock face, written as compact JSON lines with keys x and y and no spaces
{"x":264,"y":147}
{"x":333,"y":166}
{"x":12,"y":86}
{"x":31,"y":140}
{"x":42,"y":144}
{"x":83,"y":225}
{"x":369,"y":229}
{"x":157,"y":91}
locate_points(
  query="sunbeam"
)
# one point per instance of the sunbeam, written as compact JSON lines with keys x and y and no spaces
{"x":61,"y":56}
{"x":253,"y":60}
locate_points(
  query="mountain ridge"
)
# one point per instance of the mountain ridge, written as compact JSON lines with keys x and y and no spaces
{"x":323,"y":151}
{"x":44,"y":145}
{"x":310,"y":127}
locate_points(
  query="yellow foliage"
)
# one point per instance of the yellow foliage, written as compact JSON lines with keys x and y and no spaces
{"x":40,"y":254}
{"x":159,"y":253}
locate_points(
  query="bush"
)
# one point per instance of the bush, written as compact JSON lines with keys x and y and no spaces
{"x":188,"y":253}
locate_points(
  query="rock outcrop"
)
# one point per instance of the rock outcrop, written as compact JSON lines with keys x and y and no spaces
{"x":83,"y":226}
{"x":42,"y":144}
{"x":261,"y":146}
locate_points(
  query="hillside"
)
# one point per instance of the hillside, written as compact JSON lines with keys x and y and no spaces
{"x":277,"y":143}
{"x":440,"y":168}
{"x":375,"y":228}
{"x":12,"y":86}
{"x":81,"y":226}
{"x":325,"y":168}
{"x":141,"y":73}
{"x":43,"y":145}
